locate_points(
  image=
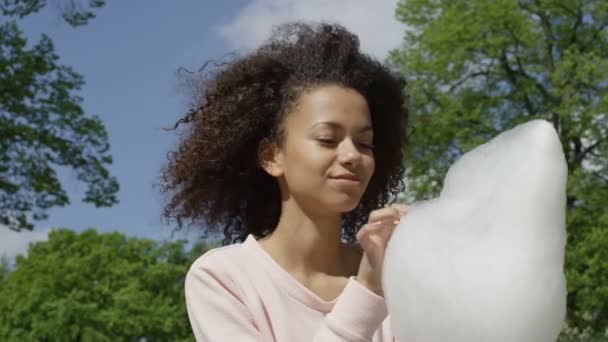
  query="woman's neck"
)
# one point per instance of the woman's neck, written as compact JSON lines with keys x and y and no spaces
{"x":306,"y":245}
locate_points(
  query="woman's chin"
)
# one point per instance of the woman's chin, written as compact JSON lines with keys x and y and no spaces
{"x":336,"y":203}
{"x":344,"y":206}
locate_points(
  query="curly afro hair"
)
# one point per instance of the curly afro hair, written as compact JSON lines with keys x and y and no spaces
{"x":214,"y":178}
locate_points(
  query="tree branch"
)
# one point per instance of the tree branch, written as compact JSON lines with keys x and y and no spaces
{"x":468,"y":77}
{"x":582,"y":154}
{"x":548,"y":30}
{"x":577,"y":22}
{"x":511,"y":75}
{"x":600,"y":176}
{"x":520,"y":71}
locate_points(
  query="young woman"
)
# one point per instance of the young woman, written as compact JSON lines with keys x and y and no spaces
{"x":296,"y":149}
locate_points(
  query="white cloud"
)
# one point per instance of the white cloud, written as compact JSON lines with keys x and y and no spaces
{"x":13,"y":243}
{"x":373,"y":21}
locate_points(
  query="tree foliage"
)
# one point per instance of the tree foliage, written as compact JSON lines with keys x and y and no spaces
{"x":74,"y":12}
{"x":43,"y":127}
{"x":97,"y":287}
{"x":4,"y":268}
{"x":477,"y":67}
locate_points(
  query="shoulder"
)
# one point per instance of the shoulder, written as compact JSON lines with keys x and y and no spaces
{"x":215,"y":292}
{"x":219,"y":259}
{"x":219,"y":266}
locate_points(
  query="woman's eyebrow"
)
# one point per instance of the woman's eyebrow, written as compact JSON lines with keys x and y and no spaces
{"x":333,"y":124}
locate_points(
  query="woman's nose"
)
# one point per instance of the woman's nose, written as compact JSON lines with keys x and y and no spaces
{"x":348,"y":153}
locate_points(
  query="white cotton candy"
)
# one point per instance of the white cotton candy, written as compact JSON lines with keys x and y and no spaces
{"x":484,"y":262}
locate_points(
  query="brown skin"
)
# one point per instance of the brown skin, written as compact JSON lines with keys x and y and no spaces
{"x":327,"y":134}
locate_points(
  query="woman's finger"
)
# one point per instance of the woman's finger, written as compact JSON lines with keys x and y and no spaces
{"x":374,"y":245}
{"x":377,"y":232}
{"x":385,"y":214}
{"x":369,"y":229}
{"x":402,"y":208}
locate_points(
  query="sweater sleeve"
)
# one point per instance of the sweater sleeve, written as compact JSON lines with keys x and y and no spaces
{"x":217,"y":312}
{"x":356,"y":316}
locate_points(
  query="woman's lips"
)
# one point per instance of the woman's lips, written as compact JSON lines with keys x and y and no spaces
{"x":346,"y":181}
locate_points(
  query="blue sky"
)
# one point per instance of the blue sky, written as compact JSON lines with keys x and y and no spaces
{"x":129,"y":56}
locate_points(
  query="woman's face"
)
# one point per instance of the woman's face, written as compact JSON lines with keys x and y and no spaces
{"x":326,"y":159}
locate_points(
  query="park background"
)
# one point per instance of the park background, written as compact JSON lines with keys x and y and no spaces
{"x":76,"y":76}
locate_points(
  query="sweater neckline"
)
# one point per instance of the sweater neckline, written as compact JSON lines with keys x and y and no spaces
{"x":293,"y":286}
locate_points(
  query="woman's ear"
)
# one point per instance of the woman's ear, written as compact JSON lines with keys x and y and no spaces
{"x":270,"y":158}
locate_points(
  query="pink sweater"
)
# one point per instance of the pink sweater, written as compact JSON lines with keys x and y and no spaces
{"x":240,"y":293}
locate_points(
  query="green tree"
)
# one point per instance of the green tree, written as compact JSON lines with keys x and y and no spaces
{"x":97,"y":287}
{"x":4,"y":268}
{"x":477,"y":67}
{"x":42,"y":124}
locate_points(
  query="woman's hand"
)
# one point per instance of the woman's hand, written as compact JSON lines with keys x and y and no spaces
{"x":373,"y":238}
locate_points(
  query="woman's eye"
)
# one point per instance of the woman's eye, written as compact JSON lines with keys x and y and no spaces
{"x":326,"y":141}
{"x":366,"y":146}
{"x":332,"y":143}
